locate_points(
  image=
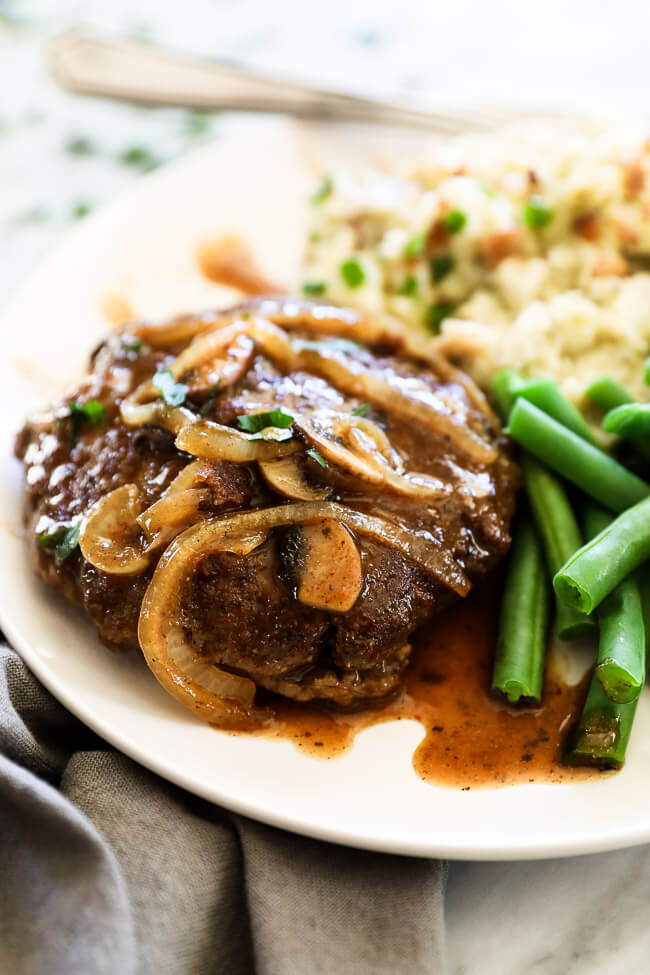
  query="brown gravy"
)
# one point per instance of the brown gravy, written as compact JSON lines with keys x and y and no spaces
{"x":228,"y":260}
{"x":471,"y":738}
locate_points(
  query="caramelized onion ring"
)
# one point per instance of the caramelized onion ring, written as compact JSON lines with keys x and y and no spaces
{"x":110,"y":538}
{"x":213,"y":441}
{"x":203,"y":688}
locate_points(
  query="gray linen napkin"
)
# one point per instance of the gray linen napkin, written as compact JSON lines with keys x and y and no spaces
{"x":106,"y":869}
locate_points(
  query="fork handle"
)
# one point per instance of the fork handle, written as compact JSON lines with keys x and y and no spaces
{"x":138,"y":72}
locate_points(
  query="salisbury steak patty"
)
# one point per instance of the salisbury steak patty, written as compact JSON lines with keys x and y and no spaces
{"x":336,"y":412}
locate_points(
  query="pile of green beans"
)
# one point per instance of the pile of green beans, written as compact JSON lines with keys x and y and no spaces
{"x":601,"y":586}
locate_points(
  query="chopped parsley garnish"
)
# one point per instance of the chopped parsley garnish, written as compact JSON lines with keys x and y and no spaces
{"x":440,"y":267}
{"x":409,"y":286}
{"x":211,"y":398}
{"x":139,"y":156}
{"x":454,"y":221}
{"x":256,"y":422}
{"x":91,"y":412}
{"x":487,"y":189}
{"x":437,"y":313}
{"x":133,"y":345}
{"x":352,"y":273}
{"x":415,"y":246}
{"x":79,"y":145}
{"x":173,"y":393}
{"x":361,"y":410}
{"x":63,"y":540}
{"x":313,"y":287}
{"x":314,"y":454}
{"x":536,"y":213}
{"x":323,"y":191}
{"x":80,"y":210}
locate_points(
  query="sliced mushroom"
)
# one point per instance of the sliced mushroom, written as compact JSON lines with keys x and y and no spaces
{"x":329,"y":567}
{"x":287,"y":476}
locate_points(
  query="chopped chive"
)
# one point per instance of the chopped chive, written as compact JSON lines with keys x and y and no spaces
{"x":536,"y":213}
{"x":173,"y":393}
{"x":315,"y":455}
{"x":409,"y":286}
{"x":63,"y":540}
{"x":313,"y":288}
{"x":454,"y":221}
{"x":440,"y":267}
{"x":361,"y":410}
{"x":256,"y":422}
{"x":352,"y":273}
{"x":437,"y":313}
{"x":197,"y":122}
{"x":415,"y":246}
{"x":323,"y":191}
{"x":211,"y":398}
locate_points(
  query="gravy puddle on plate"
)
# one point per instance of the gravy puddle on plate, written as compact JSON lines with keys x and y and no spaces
{"x":228,"y":260}
{"x":472,"y":739}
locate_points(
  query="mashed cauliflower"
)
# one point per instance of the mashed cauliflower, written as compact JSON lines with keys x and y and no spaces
{"x":525,"y":250}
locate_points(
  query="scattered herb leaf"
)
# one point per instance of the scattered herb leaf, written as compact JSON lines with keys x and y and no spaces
{"x":409,"y":286}
{"x":256,"y":422}
{"x":323,"y":191}
{"x":91,"y":412}
{"x":80,"y":210}
{"x":454,"y":221}
{"x":205,"y":409}
{"x":80,"y":145}
{"x":173,"y":393}
{"x":63,"y":540}
{"x":440,"y":267}
{"x":352,"y":273}
{"x":415,"y":246}
{"x":536,"y":213}
{"x":198,"y":122}
{"x":133,"y":345}
{"x":315,"y":455}
{"x":313,"y":288}
{"x":361,"y":410}
{"x":437,"y":313}
{"x":139,"y":156}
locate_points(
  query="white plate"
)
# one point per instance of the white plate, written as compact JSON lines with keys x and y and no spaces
{"x":253,"y":181}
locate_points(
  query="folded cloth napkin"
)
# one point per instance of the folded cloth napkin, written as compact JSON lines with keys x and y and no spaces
{"x":106,"y":869}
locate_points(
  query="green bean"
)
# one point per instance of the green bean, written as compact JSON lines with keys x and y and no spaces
{"x":621,"y":650}
{"x":504,"y":387}
{"x":509,"y":385}
{"x":545,"y":395}
{"x":560,"y":535}
{"x":629,"y":420}
{"x":591,"y":469}
{"x":521,"y":644}
{"x":607,"y":394}
{"x":601,"y":735}
{"x":600,"y":565}
{"x":646,"y":372}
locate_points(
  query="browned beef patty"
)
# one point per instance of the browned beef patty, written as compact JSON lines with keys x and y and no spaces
{"x":241,"y":611}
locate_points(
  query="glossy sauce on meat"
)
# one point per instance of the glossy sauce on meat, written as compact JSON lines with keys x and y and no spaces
{"x":472,"y":739}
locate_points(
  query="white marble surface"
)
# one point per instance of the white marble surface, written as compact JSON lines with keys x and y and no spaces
{"x":60,"y":155}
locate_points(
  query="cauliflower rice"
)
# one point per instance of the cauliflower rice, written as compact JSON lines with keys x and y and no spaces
{"x":526,"y":250}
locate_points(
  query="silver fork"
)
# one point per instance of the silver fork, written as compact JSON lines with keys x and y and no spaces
{"x":138,"y":72}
